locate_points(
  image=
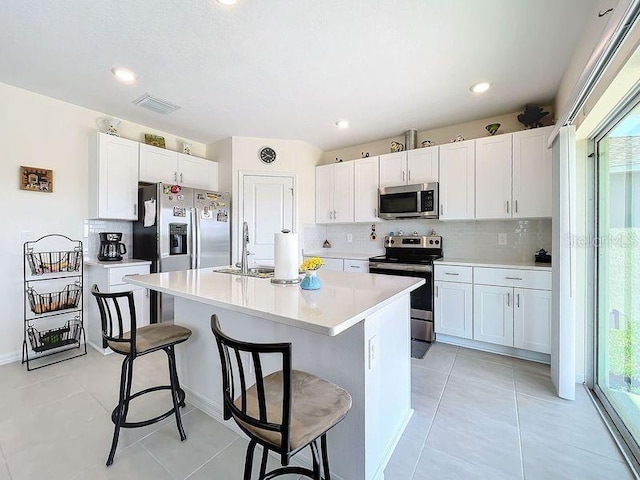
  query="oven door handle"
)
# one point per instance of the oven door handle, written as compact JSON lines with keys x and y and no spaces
{"x":401,"y":267}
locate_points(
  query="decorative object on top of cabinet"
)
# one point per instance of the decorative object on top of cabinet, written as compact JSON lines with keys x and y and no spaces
{"x":36,"y":179}
{"x":110,"y":125}
{"x":365,"y":154}
{"x":458,"y":138}
{"x":154,"y":140}
{"x":411,"y":139}
{"x":532,"y":115}
{"x":396,"y":147}
{"x":267,"y":155}
{"x":186,"y":148}
{"x":338,"y":160}
{"x":427,"y":143}
{"x":542,"y":256}
{"x":492,"y":128}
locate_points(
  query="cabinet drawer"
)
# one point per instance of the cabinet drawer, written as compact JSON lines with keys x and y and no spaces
{"x":334,"y":264}
{"x":453,"y":273}
{"x":116,"y":274}
{"x":507,"y":277}
{"x":356,"y":265}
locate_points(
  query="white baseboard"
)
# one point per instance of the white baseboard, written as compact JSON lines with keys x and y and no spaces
{"x":215,"y":411}
{"x":493,"y":348}
{"x":10,"y":358}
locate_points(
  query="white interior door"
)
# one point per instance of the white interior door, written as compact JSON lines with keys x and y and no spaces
{"x":267,"y":208}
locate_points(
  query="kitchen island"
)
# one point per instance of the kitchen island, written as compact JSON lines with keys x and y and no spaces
{"x":354,"y":331}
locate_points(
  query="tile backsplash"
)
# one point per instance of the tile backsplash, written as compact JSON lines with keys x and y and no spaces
{"x":470,"y":240}
{"x":91,"y":238}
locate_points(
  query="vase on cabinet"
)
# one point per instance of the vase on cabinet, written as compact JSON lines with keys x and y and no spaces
{"x":310,"y":280}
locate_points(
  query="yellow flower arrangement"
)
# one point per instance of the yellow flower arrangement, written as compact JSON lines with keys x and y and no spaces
{"x":313,"y":263}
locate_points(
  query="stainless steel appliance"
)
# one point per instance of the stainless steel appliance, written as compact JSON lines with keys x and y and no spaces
{"x":111,"y":248}
{"x":412,"y":256}
{"x":188,"y":228}
{"x":409,"y":201}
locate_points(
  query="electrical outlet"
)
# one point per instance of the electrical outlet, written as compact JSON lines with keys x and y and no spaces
{"x":373,"y":352}
{"x":349,"y":238}
{"x":502,"y":239}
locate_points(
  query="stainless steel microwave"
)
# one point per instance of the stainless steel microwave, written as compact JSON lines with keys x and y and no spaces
{"x":409,"y":201}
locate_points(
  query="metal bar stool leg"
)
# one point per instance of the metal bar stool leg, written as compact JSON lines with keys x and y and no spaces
{"x":316,"y":460}
{"x":263,"y":464}
{"x":127,"y":391}
{"x":173,"y":375}
{"x":119,"y":418}
{"x":248,"y":462}
{"x":325,"y":457}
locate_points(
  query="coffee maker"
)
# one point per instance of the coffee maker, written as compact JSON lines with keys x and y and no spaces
{"x":111,"y":248}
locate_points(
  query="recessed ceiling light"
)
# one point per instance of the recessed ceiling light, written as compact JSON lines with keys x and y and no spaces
{"x":480,"y":87}
{"x":342,"y":124}
{"x":228,"y":2}
{"x":124,"y":75}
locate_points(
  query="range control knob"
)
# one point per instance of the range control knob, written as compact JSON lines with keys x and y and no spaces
{"x":437,"y":242}
{"x":392,"y":242}
{"x":430,"y":242}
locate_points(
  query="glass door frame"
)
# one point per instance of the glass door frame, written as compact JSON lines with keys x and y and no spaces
{"x":626,"y":440}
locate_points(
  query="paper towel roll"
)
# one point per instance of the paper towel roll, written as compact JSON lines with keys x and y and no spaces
{"x":286,"y":255}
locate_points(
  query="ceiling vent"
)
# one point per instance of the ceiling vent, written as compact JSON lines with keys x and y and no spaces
{"x":156,"y":104}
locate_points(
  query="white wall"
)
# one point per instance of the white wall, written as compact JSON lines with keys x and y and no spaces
{"x":241,"y":154}
{"x":43,"y":132}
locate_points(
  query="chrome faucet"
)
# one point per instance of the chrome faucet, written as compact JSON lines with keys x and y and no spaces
{"x":244,"y":262}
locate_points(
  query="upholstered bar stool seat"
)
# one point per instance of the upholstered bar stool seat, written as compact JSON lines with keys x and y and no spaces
{"x":151,"y":337}
{"x":316,"y":406}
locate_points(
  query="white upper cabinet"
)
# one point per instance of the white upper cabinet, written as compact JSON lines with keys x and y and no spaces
{"x":422,"y":165}
{"x":493,"y":177}
{"x":197,"y":172}
{"x":532,"y":181}
{"x":161,"y":165}
{"x":405,"y":168}
{"x":334,"y":193}
{"x":393,"y":169}
{"x":457,"y":180}
{"x":158,"y":165}
{"x":113,"y":178}
{"x":365,"y":172}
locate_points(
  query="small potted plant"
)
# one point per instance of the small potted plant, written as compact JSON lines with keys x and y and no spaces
{"x":310,"y":268}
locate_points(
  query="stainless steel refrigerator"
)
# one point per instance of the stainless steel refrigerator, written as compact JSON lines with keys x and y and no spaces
{"x":181,"y":228}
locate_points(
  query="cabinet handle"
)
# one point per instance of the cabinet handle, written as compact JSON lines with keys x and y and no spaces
{"x":135,"y":209}
{"x":409,"y":175}
{"x":175,"y":177}
{"x":507,"y":206}
{"x":375,"y":212}
{"x":508,"y":299}
{"x":441,"y":209}
{"x":518,"y":300}
{"x":450,"y":273}
{"x":354,"y":266}
{"x":513,"y":278}
{"x":403,"y":175}
{"x":436,"y":290}
{"x":181,"y":178}
{"x":335,"y":215}
{"x":516,"y":206}
{"x":330,"y":215}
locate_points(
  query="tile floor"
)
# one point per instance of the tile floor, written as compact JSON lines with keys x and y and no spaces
{"x":477,"y":416}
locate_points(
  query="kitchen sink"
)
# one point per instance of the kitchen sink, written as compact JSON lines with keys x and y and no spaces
{"x":257,"y":272}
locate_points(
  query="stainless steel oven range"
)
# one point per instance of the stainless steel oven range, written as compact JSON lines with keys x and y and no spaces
{"x":412,"y":256}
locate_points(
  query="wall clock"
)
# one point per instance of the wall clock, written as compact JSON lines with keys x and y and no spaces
{"x":267,"y":155}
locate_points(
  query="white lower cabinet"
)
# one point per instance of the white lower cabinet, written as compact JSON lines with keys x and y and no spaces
{"x":109,"y":279}
{"x":361,"y":266}
{"x":532,"y":320}
{"x":493,"y":314}
{"x":453,"y":313}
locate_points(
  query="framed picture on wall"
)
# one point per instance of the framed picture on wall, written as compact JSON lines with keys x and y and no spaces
{"x":36,"y":179}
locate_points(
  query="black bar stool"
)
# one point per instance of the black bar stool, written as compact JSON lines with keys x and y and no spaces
{"x":132,"y":344}
{"x":285,"y":411}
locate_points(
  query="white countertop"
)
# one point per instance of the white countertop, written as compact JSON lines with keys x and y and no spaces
{"x":345,"y":298}
{"x":328,"y":253}
{"x":524,"y":265}
{"x":126,"y":262}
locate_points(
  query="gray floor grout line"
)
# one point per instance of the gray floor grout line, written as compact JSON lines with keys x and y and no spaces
{"x":515,"y":397}
{"x":212,"y":458}
{"x":155,"y":459}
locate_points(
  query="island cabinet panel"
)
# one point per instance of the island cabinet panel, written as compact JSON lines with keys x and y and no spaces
{"x":365,"y":172}
{"x":113,"y":178}
{"x":493,"y":177}
{"x":457,"y":180}
{"x":532,"y":180}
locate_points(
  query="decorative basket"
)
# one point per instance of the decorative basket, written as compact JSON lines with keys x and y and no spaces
{"x":56,"y":337}
{"x":68,"y":298}
{"x":54,"y":262}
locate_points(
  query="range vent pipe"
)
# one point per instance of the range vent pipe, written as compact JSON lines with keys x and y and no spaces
{"x":410,"y":139}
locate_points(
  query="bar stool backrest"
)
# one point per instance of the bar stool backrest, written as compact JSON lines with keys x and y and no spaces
{"x":233,"y":368}
{"x":111,"y":316}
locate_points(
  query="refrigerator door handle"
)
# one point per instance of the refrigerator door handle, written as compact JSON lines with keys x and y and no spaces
{"x":198,"y":238}
{"x":192,"y":232}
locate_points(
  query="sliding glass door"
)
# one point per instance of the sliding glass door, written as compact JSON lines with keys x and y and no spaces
{"x":618,"y":275}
